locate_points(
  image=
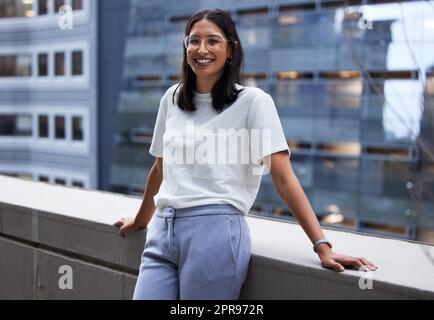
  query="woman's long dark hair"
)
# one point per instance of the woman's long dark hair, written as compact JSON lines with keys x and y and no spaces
{"x":224,"y":92}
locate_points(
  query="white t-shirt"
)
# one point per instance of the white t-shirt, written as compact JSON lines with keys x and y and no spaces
{"x":215,"y":158}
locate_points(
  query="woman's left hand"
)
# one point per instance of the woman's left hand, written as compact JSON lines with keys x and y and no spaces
{"x":337,"y":262}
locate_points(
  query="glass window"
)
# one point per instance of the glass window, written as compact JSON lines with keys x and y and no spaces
{"x":60,"y":181}
{"x":58,"y":4}
{"x":15,"y":8}
{"x":340,"y":98}
{"x":336,"y":129}
{"x":151,"y":27}
{"x":292,"y":31}
{"x":42,"y":7}
{"x":77,"y":63}
{"x":137,"y":66}
{"x":77,"y":128}
{"x":335,"y":206}
{"x":294,"y":97}
{"x":19,"y":125}
{"x":42,"y":64}
{"x":392,"y":109}
{"x":77,"y":4}
{"x":43,"y":179}
{"x":16,"y":65}
{"x":386,"y":178}
{"x":43,"y":126}
{"x":59,"y":63}
{"x":25,"y":176}
{"x":336,"y":173}
{"x":60,"y":127}
{"x":254,"y":29}
{"x":78,"y":184}
{"x":300,"y":128}
{"x":374,"y":99}
{"x":294,"y":59}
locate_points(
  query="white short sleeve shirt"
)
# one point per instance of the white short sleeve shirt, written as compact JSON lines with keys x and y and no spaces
{"x":215,"y":158}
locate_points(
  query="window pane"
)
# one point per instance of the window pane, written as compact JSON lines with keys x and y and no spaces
{"x":296,"y":98}
{"x":43,"y":126}
{"x":58,"y":4}
{"x":42,"y":7}
{"x":336,"y":173}
{"x":60,"y":181}
{"x":11,"y":8}
{"x":77,"y":184}
{"x":77,"y":128}
{"x":43,"y":179}
{"x":16,"y":125}
{"x":297,"y":30}
{"x":60,"y":127}
{"x":42,"y":64}
{"x":15,"y":65}
{"x":77,"y":63}
{"x":60,"y":63}
{"x":340,"y":98}
{"x":77,"y":4}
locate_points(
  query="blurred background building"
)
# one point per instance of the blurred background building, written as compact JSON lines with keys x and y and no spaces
{"x":353,"y":83}
{"x":48,"y":90}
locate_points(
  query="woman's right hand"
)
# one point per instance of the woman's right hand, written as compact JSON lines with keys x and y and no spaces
{"x":127,"y":224}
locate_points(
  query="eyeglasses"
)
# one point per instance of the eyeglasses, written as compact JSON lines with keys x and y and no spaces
{"x":212,"y":43}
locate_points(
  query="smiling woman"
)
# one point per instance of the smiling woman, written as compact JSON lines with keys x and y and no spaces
{"x":213,"y":57}
{"x":215,"y":53}
{"x":198,"y":242}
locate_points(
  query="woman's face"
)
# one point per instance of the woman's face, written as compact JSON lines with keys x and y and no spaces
{"x":214,"y":59}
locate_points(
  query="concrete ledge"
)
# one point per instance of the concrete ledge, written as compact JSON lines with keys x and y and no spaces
{"x":43,"y":227}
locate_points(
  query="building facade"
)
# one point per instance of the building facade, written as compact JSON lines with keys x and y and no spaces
{"x":48,"y":95}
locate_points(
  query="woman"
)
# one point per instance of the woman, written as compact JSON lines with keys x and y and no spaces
{"x":198,"y":241}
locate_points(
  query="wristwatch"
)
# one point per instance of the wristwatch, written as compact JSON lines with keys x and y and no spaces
{"x":321,"y":241}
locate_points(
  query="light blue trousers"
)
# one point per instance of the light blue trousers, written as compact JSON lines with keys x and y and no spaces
{"x":199,"y":252}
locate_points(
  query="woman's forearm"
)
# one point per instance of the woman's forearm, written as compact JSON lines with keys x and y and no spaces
{"x":295,"y":198}
{"x":153,"y":183}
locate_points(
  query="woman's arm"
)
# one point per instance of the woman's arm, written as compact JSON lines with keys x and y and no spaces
{"x":147,"y":208}
{"x":290,"y":190}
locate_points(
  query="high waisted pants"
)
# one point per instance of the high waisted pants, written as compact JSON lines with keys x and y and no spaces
{"x":199,"y":252}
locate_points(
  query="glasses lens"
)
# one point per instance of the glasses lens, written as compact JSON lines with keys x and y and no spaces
{"x":193,"y":42}
{"x":212,"y":43}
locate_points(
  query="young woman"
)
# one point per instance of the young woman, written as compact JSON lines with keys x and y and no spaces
{"x":198,"y":242}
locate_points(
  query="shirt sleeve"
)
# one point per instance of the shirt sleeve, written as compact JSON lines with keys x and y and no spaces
{"x":266,"y":132}
{"x":156,"y":148}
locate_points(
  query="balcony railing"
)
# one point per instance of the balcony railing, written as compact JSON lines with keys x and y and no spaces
{"x":50,"y":232}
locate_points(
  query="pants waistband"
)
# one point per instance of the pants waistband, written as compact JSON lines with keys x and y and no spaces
{"x":209,"y":209}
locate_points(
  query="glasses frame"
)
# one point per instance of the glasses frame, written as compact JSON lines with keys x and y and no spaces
{"x":206,"y":43}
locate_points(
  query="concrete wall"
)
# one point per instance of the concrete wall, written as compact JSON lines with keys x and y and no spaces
{"x":44,"y":227}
